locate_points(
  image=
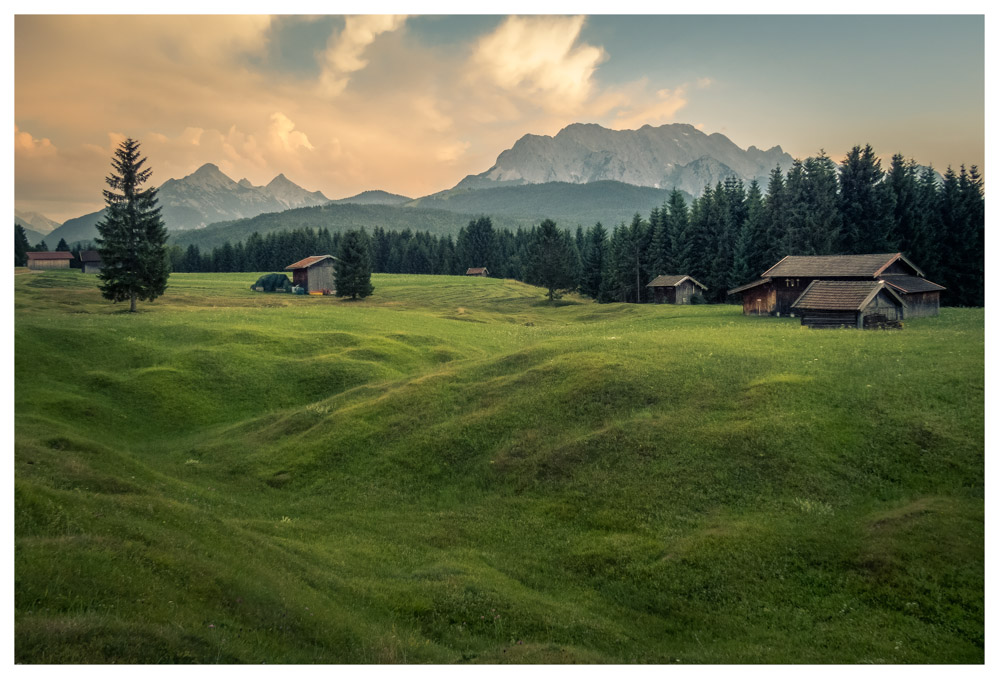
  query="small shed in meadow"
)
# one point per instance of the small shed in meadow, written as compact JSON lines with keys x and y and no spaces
{"x":314,"y":274}
{"x":49,"y":260}
{"x":90,"y":261}
{"x":478,"y":271}
{"x":675,"y":289}
{"x":922,"y":297}
{"x":849,"y":304}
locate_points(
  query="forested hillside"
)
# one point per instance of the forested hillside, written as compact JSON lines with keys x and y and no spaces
{"x":724,"y":238}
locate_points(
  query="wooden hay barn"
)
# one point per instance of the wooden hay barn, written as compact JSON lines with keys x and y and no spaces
{"x":91,"y":261}
{"x":850,"y":304}
{"x":49,"y":260}
{"x":314,"y":274}
{"x":774,"y":293}
{"x":478,"y":271}
{"x":679,"y":289}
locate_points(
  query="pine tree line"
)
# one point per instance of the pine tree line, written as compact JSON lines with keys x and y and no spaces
{"x":726,"y":237}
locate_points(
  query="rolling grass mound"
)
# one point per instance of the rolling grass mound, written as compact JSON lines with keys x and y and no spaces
{"x":450,"y":471}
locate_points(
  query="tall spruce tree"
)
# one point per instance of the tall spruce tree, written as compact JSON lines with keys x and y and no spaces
{"x":594,"y":262}
{"x":353,"y":271}
{"x":132,"y":241}
{"x":867,"y":207}
{"x":553,"y":261}
{"x":62,"y":246}
{"x":21,"y":246}
{"x":677,"y":225}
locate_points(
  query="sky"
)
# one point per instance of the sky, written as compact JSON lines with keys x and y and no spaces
{"x":411,"y":104}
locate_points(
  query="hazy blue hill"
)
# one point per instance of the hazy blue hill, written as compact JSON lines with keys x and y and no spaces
{"x":375,"y":198}
{"x":77,"y":229}
{"x":335,"y":217}
{"x":569,"y":205}
{"x":34,"y":238}
{"x":608,"y":202}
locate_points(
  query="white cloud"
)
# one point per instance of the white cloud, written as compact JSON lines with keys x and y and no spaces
{"x":344,"y":52}
{"x":538,"y":58}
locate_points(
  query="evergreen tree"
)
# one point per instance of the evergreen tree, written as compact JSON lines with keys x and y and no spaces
{"x":771,"y":249}
{"x":476,"y":246}
{"x":21,"y":246}
{"x":866,"y":204}
{"x":133,"y":236}
{"x":41,"y":247}
{"x":353,"y":271}
{"x":62,"y":246}
{"x":676,"y":222}
{"x":594,"y":259}
{"x":553,"y":262}
{"x":908,"y":222}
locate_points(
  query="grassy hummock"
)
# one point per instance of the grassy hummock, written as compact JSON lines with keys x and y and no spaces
{"x":454,"y":470}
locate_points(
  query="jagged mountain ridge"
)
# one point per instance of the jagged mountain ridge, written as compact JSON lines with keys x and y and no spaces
{"x":677,"y":155}
{"x":204,"y":197}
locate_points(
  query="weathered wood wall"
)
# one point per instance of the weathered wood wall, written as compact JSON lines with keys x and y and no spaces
{"x":48,"y":264}
{"x":919,"y":304}
{"x":759,"y":301}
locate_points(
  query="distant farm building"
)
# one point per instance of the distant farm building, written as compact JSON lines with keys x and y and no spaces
{"x":849,"y":304}
{"x":678,"y":289}
{"x":90,"y":261}
{"x":49,"y":260}
{"x":478,"y":271}
{"x":314,"y":274}
{"x":776,"y":292}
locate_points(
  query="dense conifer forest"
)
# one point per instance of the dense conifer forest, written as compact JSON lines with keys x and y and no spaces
{"x":724,"y":238}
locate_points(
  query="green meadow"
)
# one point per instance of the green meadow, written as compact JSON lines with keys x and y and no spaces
{"x":455,"y":471}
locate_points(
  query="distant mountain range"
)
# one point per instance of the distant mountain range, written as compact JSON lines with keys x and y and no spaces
{"x":584,"y":174}
{"x":661,"y":157}
{"x":204,"y":197}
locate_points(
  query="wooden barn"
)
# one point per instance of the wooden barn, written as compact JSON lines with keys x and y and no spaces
{"x":90,"y":261}
{"x":849,"y":304}
{"x":49,"y":260}
{"x":314,"y":274}
{"x":478,"y":271}
{"x":783,"y":283}
{"x":678,"y":289}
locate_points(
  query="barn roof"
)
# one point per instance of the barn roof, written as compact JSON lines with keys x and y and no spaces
{"x":842,"y":295}
{"x":308,"y":261}
{"x":90,"y":256}
{"x":50,"y":255}
{"x":665,"y":281}
{"x":747,"y":286}
{"x":911,"y":283}
{"x":824,"y":266}
{"x":476,"y":270}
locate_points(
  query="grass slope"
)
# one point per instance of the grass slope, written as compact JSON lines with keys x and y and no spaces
{"x":453,"y":471}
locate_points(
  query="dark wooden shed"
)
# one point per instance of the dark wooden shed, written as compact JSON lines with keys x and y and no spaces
{"x":921,"y":297}
{"x":783,"y":283}
{"x":90,"y":261}
{"x":849,"y":304}
{"x":478,"y":271}
{"x":49,"y":260}
{"x":315,"y":273}
{"x":674,"y":289}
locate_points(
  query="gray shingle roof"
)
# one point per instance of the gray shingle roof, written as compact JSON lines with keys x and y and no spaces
{"x":841,"y":295}
{"x":670,"y":281}
{"x":825,"y":266}
{"x":747,"y":286}
{"x":911,"y":283}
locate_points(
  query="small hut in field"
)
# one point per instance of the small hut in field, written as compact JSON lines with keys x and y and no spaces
{"x":91,"y":261}
{"x":49,"y":260}
{"x":849,"y":304}
{"x":679,"y":289}
{"x":478,"y":271}
{"x":314,"y":274}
